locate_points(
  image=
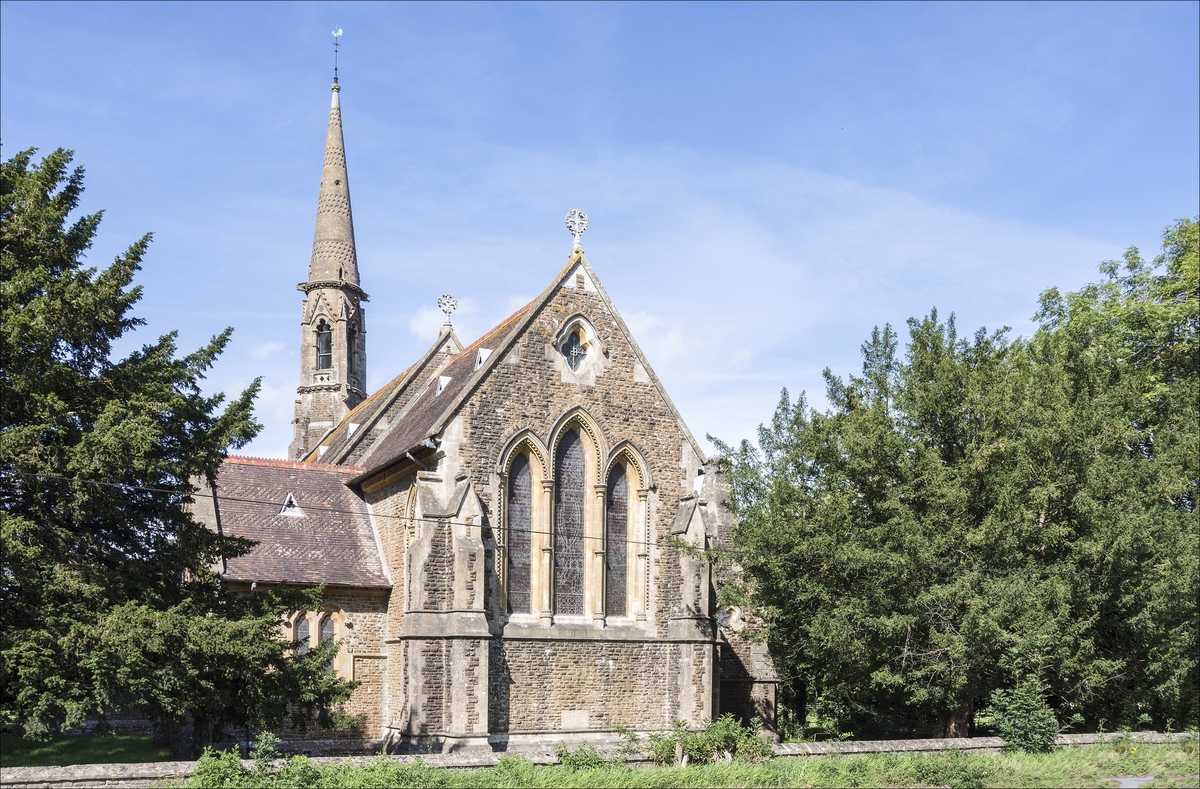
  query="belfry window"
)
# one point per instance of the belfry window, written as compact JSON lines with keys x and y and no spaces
{"x":616,"y":543}
{"x":352,"y":343}
{"x":324,"y":346}
{"x":569,"y":471}
{"x":574,"y":350}
{"x":520,"y":519}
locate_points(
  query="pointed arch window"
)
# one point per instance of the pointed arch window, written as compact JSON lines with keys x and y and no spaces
{"x":324,"y":346}
{"x":302,"y":634}
{"x":352,"y":347}
{"x":520,"y":521}
{"x":616,"y":543}
{"x":569,"y":471}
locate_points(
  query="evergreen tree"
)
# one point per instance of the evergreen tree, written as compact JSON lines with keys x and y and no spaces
{"x":109,"y":597}
{"x":981,"y":514}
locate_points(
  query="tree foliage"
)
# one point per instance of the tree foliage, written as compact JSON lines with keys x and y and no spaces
{"x":976,"y":513}
{"x":109,"y":597}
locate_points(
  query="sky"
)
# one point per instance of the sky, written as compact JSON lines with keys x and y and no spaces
{"x":764,"y":182}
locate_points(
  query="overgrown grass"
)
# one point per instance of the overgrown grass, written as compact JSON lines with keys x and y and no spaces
{"x":16,"y":751}
{"x":1173,"y":765}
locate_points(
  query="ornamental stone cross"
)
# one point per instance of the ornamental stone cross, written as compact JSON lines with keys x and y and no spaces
{"x":576,"y":223}
{"x":447,"y":304}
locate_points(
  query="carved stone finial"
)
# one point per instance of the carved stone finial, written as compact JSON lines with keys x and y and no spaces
{"x":576,"y":223}
{"x":447,"y":304}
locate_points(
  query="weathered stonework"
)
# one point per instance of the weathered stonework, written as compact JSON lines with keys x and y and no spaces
{"x":463,"y":626}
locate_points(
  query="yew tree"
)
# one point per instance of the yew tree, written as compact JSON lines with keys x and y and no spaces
{"x":974,"y":515}
{"x":109,"y":596}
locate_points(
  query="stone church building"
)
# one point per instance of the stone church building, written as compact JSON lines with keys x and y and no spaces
{"x":497,"y":527}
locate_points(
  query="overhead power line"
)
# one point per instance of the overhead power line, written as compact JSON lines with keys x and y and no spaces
{"x":717,"y":551}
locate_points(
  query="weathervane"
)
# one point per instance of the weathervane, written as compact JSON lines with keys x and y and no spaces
{"x":336,"y":35}
{"x":576,"y":223}
{"x":447,"y":304}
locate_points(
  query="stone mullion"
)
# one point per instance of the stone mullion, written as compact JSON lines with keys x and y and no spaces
{"x":599,"y":551}
{"x":502,"y":546}
{"x":546,"y":530}
{"x":642,"y":566}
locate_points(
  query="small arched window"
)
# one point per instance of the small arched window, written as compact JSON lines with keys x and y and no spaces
{"x":616,"y":539}
{"x":302,"y":634}
{"x":324,"y":346}
{"x":569,"y":473}
{"x":520,"y":520}
{"x":574,"y":350}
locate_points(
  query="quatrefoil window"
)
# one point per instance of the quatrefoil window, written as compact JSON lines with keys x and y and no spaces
{"x":574,"y":350}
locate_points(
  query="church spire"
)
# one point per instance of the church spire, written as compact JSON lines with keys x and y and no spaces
{"x":334,"y":257}
{"x":333,"y":331}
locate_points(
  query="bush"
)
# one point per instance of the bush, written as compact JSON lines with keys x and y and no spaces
{"x":1022,"y":717}
{"x":585,"y":757}
{"x":724,"y":739}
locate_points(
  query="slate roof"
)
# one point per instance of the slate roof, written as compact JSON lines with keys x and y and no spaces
{"x":333,"y":543}
{"x":428,"y":411}
{"x":424,"y":414}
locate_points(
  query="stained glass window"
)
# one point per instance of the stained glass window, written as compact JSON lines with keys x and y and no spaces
{"x":302,"y":634}
{"x":574,"y":350}
{"x":520,"y":516}
{"x":326,"y":628}
{"x":324,"y":346}
{"x":568,"y":525}
{"x":616,"y":540}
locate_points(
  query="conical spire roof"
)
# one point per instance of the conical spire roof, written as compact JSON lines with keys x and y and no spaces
{"x":333,"y":256}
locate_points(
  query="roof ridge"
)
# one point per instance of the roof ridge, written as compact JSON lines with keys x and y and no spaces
{"x":248,"y":460}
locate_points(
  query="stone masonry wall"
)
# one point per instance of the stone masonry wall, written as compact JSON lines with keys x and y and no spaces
{"x":525,"y":390}
{"x":618,"y":683}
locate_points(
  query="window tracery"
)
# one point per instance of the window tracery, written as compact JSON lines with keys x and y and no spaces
{"x":574,"y":349}
{"x":569,"y":473}
{"x":616,"y":543}
{"x":520,"y":517}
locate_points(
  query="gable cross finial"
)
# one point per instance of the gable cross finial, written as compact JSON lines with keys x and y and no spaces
{"x":576,"y":223}
{"x":447,"y":304}
{"x":337,"y":34}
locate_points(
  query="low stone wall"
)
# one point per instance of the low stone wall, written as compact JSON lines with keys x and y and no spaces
{"x":157,"y":774}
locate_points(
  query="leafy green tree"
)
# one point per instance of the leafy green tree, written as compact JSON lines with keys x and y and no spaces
{"x":109,"y":597}
{"x":979,"y":513}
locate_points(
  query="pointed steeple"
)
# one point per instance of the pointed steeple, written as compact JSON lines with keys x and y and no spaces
{"x":334,"y":258}
{"x":333,"y":331}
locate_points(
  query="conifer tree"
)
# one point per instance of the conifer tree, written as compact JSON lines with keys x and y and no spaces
{"x":981,"y":514}
{"x":109,"y":597}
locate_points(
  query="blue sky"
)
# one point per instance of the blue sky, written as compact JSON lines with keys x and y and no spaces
{"x":764,"y":183}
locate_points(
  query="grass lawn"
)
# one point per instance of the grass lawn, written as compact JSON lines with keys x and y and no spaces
{"x":16,"y":751}
{"x":1172,"y":765}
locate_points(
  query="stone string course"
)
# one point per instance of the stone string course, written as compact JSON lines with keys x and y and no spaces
{"x":153,"y":774}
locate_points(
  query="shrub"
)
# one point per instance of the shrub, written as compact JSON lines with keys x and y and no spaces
{"x":585,"y":757}
{"x":1022,"y":718}
{"x":724,"y":739}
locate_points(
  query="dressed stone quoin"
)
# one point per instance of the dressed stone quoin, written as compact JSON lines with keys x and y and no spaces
{"x":496,"y":527}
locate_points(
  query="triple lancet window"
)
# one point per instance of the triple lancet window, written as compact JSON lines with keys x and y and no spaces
{"x":324,"y":346}
{"x":569,"y":553}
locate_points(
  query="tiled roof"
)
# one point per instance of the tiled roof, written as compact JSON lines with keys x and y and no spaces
{"x":341,"y":440}
{"x":332,"y":542}
{"x":427,"y":409}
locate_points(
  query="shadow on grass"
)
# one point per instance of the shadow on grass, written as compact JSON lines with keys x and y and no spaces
{"x":16,"y":751}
